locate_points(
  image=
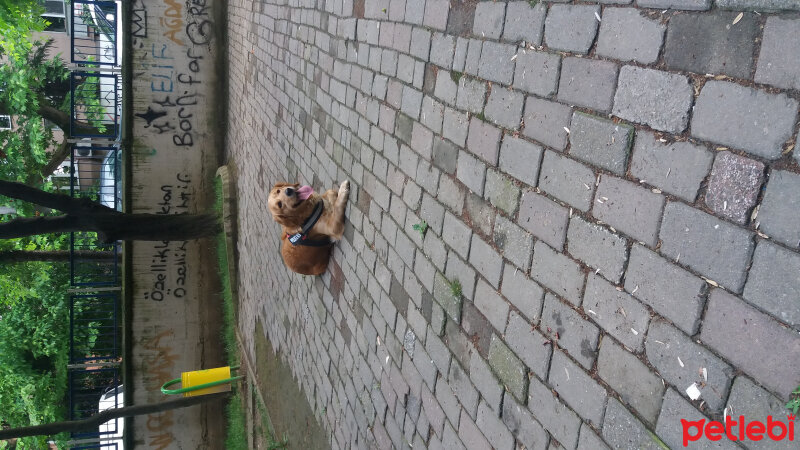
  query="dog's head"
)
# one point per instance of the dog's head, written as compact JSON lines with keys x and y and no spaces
{"x":288,"y":205}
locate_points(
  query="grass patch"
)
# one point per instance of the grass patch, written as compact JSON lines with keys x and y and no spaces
{"x":455,"y":288}
{"x":794,"y":401}
{"x":235,"y":412}
{"x":421,"y":227}
{"x":236,"y":432}
{"x":455,"y":76}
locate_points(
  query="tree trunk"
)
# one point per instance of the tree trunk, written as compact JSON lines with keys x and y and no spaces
{"x":20,"y":256}
{"x":111,"y":225}
{"x":117,"y":226}
{"x":56,"y":159}
{"x":96,"y":420}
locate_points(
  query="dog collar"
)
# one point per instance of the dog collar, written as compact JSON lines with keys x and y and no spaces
{"x":300,"y":238}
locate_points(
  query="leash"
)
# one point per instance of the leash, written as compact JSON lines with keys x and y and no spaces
{"x":301,"y":238}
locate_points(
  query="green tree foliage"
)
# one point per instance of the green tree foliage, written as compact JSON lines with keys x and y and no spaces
{"x":34,"y":336}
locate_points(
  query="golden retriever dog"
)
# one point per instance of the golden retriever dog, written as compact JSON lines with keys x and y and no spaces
{"x":311,"y":223}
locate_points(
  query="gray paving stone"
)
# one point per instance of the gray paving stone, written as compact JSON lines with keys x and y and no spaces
{"x":483,"y":140}
{"x":421,"y":140}
{"x":520,"y":159}
{"x":521,"y":423}
{"x":752,"y":120}
{"x":496,"y":63}
{"x":761,"y":5}
{"x":450,"y":439}
{"x":524,"y":22}
{"x":493,"y":428}
{"x":473,"y":60}
{"x":573,"y":333}
{"x":528,"y":344}
{"x":508,"y":368}
{"x":445,"y":89}
{"x":546,"y":121}
{"x":589,"y":440}
{"x":537,"y":72}
{"x":456,"y":234}
{"x":471,"y":95}
{"x":780,"y":209}
{"x":523,"y":293}
{"x":677,"y":168}
{"x":633,"y":380}
{"x":463,"y":389}
{"x":754,"y":403}
{"x":658,"y":99}
{"x":578,"y":390}
{"x":621,"y":429}
{"x":716,"y":249}
{"x":692,"y":5}
{"x":630,"y":208}
{"x":485,"y":381}
{"x":670,"y":422}
{"x":455,"y":126}
{"x":734,"y":185}
{"x":445,"y":155}
{"x":476,"y":326}
{"x":420,"y":43}
{"x":747,"y":338}
{"x":680,"y":361}
{"x":588,"y":82}
{"x":491,"y":305}
{"x":567,"y":180}
{"x":444,"y":296}
{"x":627,"y":35}
{"x":571,"y":28}
{"x":557,"y":272}
{"x":600,"y":142}
{"x":451,"y":194}
{"x":471,"y":435}
{"x":504,"y":107}
{"x":773,"y":284}
{"x":778,"y":60}
{"x":436,"y":14}
{"x":489,"y":18}
{"x":671,"y":291}
{"x":708,"y":43}
{"x":514,"y":243}
{"x":480,"y":214}
{"x":471,"y":171}
{"x":607,"y":304}
{"x":544,"y":218}
{"x":597,"y":247}
{"x":460,"y":57}
{"x":562,"y":423}
{"x":486,"y":260}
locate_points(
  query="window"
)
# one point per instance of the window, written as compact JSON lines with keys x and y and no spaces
{"x":55,"y":14}
{"x":5,"y":122}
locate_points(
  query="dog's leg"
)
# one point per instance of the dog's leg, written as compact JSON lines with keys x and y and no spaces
{"x":339,"y":207}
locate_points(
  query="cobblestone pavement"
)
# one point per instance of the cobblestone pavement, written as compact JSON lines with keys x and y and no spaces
{"x":614,"y":186}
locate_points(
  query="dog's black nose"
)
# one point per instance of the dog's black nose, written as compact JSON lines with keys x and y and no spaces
{"x":289,"y":192}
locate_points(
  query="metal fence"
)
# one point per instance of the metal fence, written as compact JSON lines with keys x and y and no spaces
{"x":94,"y":328}
{"x":94,"y":173}
{"x":95,"y":33}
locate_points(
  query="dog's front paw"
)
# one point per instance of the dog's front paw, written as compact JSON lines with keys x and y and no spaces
{"x":344,"y":190}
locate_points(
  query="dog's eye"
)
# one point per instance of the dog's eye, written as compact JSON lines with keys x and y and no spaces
{"x":278,"y":191}
{"x":280,"y":204}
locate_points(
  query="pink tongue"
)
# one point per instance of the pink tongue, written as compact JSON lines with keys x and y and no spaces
{"x":304,"y":192}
